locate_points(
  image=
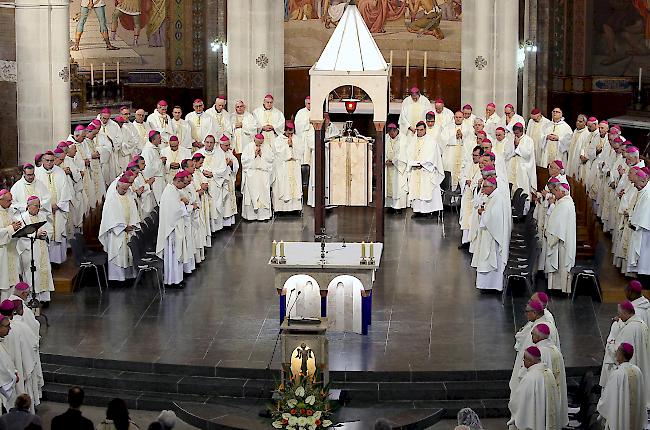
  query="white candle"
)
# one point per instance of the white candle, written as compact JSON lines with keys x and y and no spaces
{"x":372,"y":250}
{"x":282,"y":248}
{"x":363,"y":249}
{"x":640,"y":71}
{"x":118,"y":72}
{"x":92,"y":75}
{"x":103,"y":73}
{"x":408,"y":60}
{"x":274,"y":249}
{"x":425,"y":64}
{"x":391,"y":61}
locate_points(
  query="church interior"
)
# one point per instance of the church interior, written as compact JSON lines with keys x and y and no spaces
{"x":304,"y":214}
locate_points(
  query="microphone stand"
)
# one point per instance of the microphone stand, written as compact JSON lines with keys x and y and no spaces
{"x":30,"y":231}
{"x":291,"y":308}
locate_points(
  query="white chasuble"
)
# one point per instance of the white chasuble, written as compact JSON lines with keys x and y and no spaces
{"x":622,"y":403}
{"x":396,"y":187}
{"x":256,"y":182}
{"x":638,"y":254}
{"x":561,"y":244}
{"x":535,"y":403}
{"x":119,"y":212}
{"x":426,"y":173}
{"x":43,"y":282}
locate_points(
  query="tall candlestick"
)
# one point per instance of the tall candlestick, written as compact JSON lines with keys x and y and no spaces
{"x":363,"y":249}
{"x":282,"y":248}
{"x":92,"y":75}
{"x":118,"y":72}
{"x":425,"y":64}
{"x":640,"y":71}
{"x":274,"y":249}
{"x":408,"y":60}
{"x":391,"y":61}
{"x":103,"y":73}
{"x":372,"y":250}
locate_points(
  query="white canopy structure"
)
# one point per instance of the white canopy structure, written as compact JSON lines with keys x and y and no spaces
{"x":351,"y":57}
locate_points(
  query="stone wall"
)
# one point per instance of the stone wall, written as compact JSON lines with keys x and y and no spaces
{"x":8,"y":131}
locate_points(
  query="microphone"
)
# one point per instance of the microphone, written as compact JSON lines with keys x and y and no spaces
{"x":291,"y":308}
{"x":289,"y":301}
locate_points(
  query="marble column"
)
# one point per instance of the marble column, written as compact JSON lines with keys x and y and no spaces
{"x":43,"y":84}
{"x":489,"y":53}
{"x":255,"y":51}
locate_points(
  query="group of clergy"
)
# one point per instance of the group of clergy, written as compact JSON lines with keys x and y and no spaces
{"x":538,"y":389}
{"x":20,"y":363}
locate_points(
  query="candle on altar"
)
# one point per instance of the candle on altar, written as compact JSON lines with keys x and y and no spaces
{"x":363,"y":249}
{"x":640,"y":72}
{"x":103,"y":73}
{"x":408,"y":60}
{"x":391,"y":61}
{"x":425,"y":64}
{"x":118,"y":72}
{"x":274,"y":249}
{"x":372,"y":250}
{"x":282,"y":248}
{"x":92,"y":75}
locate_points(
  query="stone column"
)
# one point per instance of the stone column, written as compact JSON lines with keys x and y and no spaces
{"x":42,"y":63}
{"x":490,"y":36}
{"x":255,"y":51}
{"x":215,"y":70}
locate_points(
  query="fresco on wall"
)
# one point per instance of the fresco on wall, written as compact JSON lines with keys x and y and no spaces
{"x":137,"y":27}
{"x":621,"y":37}
{"x":433,"y":26}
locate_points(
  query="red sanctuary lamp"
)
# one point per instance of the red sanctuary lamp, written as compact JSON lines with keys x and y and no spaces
{"x":350,"y":105}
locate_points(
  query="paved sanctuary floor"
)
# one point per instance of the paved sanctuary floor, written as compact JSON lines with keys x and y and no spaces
{"x":427,"y":314}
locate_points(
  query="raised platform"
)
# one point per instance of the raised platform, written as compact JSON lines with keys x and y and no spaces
{"x":435,"y":341}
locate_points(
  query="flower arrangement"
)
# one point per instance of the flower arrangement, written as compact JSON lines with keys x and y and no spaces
{"x":302,"y":406}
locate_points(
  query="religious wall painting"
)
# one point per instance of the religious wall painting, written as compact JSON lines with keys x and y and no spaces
{"x":620,"y":42}
{"x":137,"y":27}
{"x":419,"y":26}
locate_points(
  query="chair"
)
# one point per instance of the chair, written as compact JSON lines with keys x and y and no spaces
{"x":589,"y":270}
{"x":146,"y":264}
{"x":450,"y":197}
{"x":86,"y":259}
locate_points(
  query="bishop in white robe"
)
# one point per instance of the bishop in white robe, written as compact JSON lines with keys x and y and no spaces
{"x":43,"y":283}
{"x":396,"y":175}
{"x":244,"y":127}
{"x":28,"y":186}
{"x":578,"y":138}
{"x":470,"y":188}
{"x":622,"y":402}
{"x":73,"y":166}
{"x":459,"y":140}
{"x":627,"y":327}
{"x":142,"y":129}
{"x":510,"y":118}
{"x":522,"y":170}
{"x":22,"y":291}
{"x":9,"y":224}
{"x":8,"y":371}
{"x":119,"y":219}
{"x":90,"y":153}
{"x":468,"y":116}
{"x":141,"y":187}
{"x":536,"y":125}
{"x":491,"y":253}
{"x":552,"y":357}
{"x":161,"y":122}
{"x":414,"y":109}
{"x":535,"y":404}
{"x":200,"y":183}
{"x":200,"y":123}
{"x":634,"y":293}
{"x":270,"y":120}
{"x":304,"y":132}
{"x":426,"y":172}
{"x":287,"y":178}
{"x":171,"y":245}
{"x":230,"y":176}
{"x":60,"y":192}
{"x":154,"y":167}
{"x":491,"y":120}
{"x":444,"y":116}
{"x":23,"y":348}
{"x":219,"y":117}
{"x":560,"y":234}
{"x":214,"y":169}
{"x":257,"y":168}
{"x":173,"y":155}
{"x":587,"y":154}
{"x":111,"y":137}
{"x":181,"y":129}
{"x":638,"y":255}
{"x":556,"y":138}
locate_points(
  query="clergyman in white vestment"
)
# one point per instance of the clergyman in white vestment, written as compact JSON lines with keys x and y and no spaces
{"x":622,"y":402}
{"x":414,"y":109}
{"x":638,"y":257}
{"x":270,"y":120}
{"x":535,"y":404}
{"x":257,"y":168}
{"x":9,"y":224}
{"x":552,"y":357}
{"x":396,"y":168}
{"x":560,"y":236}
{"x":426,"y":172}
{"x":8,"y":371}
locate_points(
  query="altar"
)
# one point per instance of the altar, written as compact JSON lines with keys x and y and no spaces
{"x":327,"y":273}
